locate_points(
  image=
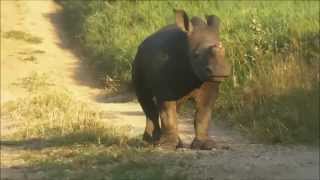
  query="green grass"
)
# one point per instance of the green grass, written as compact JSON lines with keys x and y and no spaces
{"x":23,"y":36}
{"x":111,"y":31}
{"x":273,"y":47}
{"x":107,"y":162}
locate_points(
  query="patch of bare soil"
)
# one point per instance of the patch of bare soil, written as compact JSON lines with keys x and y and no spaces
{"x":242,"y":160}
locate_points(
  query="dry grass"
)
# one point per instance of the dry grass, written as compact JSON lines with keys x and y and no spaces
{"x":52,"y":113}
{"x":280,"y":104}
{"x":23,"y":36}
{"x":35,"y":82}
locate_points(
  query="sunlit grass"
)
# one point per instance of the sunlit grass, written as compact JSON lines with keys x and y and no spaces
{"x":282,"y":107}
{"x":34,"y":82}
{"x":54,"y":115}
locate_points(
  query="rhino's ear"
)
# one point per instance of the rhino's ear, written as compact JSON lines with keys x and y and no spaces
{"x":182,"y":20}
{"x":213,"y":22}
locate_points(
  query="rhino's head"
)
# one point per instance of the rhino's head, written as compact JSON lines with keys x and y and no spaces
{"x":206,"y":52}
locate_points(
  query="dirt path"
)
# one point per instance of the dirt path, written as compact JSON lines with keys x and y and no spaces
{"x":42,"y":18}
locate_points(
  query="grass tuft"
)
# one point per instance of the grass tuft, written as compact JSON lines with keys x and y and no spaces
{"x":23,"y":36}
{"x":34,"y":82}
{"x":30,"y":59}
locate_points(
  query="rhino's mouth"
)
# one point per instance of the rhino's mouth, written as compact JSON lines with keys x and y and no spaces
{"x":217,"y":78}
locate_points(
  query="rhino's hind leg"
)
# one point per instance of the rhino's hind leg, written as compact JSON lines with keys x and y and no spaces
{"x":152,"y":130}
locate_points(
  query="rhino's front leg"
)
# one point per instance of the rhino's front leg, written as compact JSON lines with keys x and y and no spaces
{"x":169,"y":129}
{"x":205,"y":99}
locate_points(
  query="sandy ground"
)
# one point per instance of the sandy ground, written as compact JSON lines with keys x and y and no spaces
{"x":243,"y":160}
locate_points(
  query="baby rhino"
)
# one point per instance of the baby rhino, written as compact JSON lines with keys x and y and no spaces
{"x":180,"y":61}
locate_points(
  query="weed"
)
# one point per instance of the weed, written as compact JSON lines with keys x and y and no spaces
{"x":20,"y":35}
{"x":31,"y":52}
{"x":34,"y":82}
{"x":30,"y":59}
{"x":37,"y":51}
{"x":30,"y":56}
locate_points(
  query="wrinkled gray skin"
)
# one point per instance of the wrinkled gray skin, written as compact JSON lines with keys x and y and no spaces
{"x":180,"y":61}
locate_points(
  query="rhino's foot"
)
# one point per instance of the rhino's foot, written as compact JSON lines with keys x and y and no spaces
{"x":205,"y":144}
{"x":169,"y":141}
{"x":150,"y":139}
{"x":147,"y":138}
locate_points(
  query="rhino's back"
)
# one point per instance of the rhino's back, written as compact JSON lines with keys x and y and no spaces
{"x":168,"y":39}
{"x":161,"y":64}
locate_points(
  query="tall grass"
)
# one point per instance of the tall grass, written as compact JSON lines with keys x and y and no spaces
{"x":272,"y":45}
{"x":111,"y":31}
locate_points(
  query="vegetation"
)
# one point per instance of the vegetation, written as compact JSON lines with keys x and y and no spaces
{"x":273,"y":47}
{"x":34,"y":82}
{"x":108,"y":162}
{"x":30,"y":56}
{"x":23,"y":36}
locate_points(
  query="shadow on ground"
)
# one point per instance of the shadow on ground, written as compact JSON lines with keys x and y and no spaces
{"x":73,"y":157}
{"x":84,"y":74}
{"x":90,"y":137}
